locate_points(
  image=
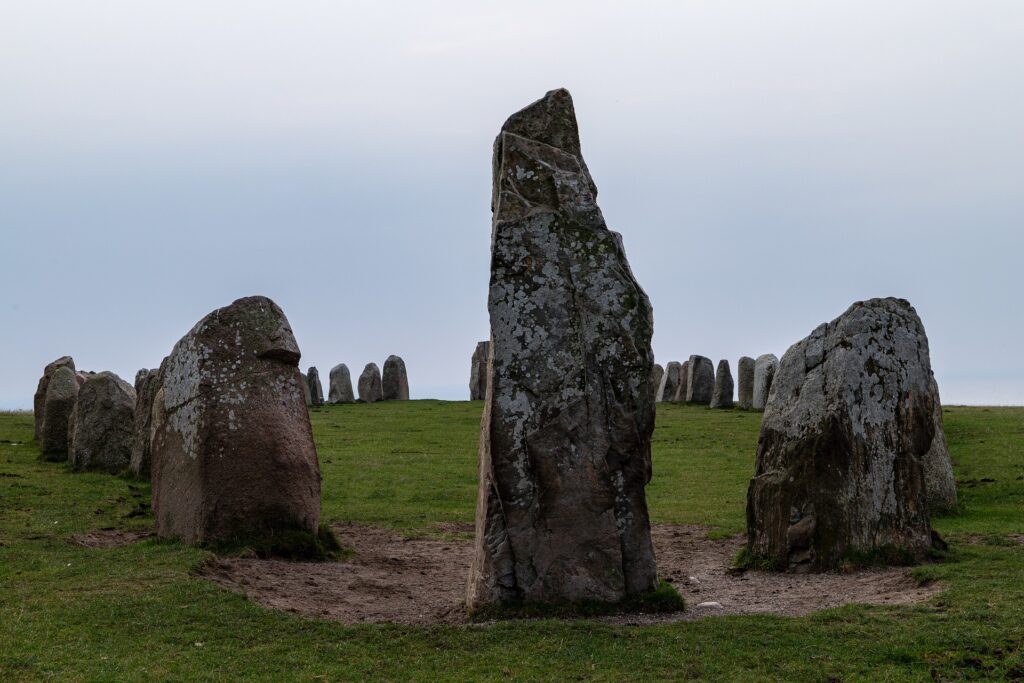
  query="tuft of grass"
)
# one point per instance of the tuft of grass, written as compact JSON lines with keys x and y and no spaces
{"x":287,"y":544}
{"x":745,"y":559}
{"x":662,"y":600}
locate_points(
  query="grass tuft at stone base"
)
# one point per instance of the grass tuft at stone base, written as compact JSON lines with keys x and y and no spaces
{"x":286,"y":544}
{"x":661,"y":600}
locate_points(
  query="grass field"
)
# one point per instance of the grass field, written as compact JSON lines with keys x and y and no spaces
{"x":138,"y":613}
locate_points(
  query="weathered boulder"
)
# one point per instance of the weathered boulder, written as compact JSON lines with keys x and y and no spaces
{"x":657,"y":374}
{"x":370,"y":389}
{"x":669,"y":386}
{"x":478,"y":372}
{"x":394,"y":382}
{"x":565,"y":448}
{"x":233,"y":456}
{"x":340,"y":385}
{"x":61,"y":396}
{"x":700,"y":380}
{"x":722,"y":396}
{"x":103,"y":424}
{"x":745,"y":373}
{"x":765,"y":368}
{"x":839,"y":471}
{"x":316,"y":390}
{"x":307,"y":395}
{"x":147,"y":383}
{"x":39,"y":399}
{"x":938,"y":465}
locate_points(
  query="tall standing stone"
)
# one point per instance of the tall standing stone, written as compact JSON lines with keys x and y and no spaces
{"x":700,"y":380}
{"x":839,"y":472}
{"x":938,"y":465}
{"x":370,"y":389}
{"x":722,"y":397}
{"x":395,"y":382}
{"x":745,"y":371}
{"x":478,"y":372}
{"x":233,"y":452}
{"x":764,"y":373}
{"x":316,"y":390}
{"x":103,"y":424}
{"x":147,"y":383}
{"x":61,"y":396}
{"x":341,"y":385}
{"x":681,"y":387}
{"x":657,"y":374}
{"x":565,"y":448}
{"x":39,"y":400}
{"x":670,"y":381}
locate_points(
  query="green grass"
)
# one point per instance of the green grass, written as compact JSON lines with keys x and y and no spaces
{"x":139,"y":612}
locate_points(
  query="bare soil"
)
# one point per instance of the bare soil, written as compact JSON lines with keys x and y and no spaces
{"x":392,"y":579}
{"x":109,"y":538}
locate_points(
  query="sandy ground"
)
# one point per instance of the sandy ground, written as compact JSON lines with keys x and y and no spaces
{"x":391,"y":579}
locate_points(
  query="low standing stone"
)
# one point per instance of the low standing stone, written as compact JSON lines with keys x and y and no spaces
{"x":370,"y":389}
{"x":147,"y":383}
{"x":722,"y":398}
{"x":316,"y":390}
{"x":764,"y":372}
{"x":61,"y":396}
{"x":39,"y":400}
{"x":340,"y":385}
{"x":670,"y":381}
{"x":938,"y":465}
{"x":478,"y":372}
{"x":700,"y":380}
{"x":656,"y":376}
{"x":746,"y":381}
{"x":104,"y":424}
{"x":395,"y":382}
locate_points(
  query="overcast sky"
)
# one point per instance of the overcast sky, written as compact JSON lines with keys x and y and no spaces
{"x":766,"y":163}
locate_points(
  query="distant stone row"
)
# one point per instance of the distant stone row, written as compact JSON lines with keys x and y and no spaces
{"x":696,"y":381}
{"x":393,"y":386}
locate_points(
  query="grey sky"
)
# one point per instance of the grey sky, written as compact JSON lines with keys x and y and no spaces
{"x":766,"y":163}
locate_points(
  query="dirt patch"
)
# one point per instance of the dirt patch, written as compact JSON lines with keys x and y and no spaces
{"x":1018,"y":538}
{"x":391,"y":579}
{"x":109,"y":538}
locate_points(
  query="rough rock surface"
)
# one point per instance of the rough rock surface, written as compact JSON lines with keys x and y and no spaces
{"x":938,"y":465}
{"x":316,"y":389}
{"x":565,"y":448}
{"x":765,"y":368}
{"x":307,"y":395}
{"x":722,"y":396}
{"x":745,"y":377}
{"x":657,"y":374}
{"x":61,"y":396}
{"x":670,"y":381}
{"x":147,"y":383}
{"x":370,"y":389}
{"x":103,"y":424}
{"x":39,"y":399}
{"x":700,"y":380}
{"x":395,"y":382}
{"x":340,"y":385}
{"x":683,"y":386}
{"x":478,"y":372}
{"x":233,"y":453}
{"x":839,"y":472}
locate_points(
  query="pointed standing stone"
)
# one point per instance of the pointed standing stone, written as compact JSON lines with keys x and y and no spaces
{"x":746,"y":382}
{"x":316,"y":390}
{"x":370,"y":389}
{"x":147,"y":383}
{"x":565,"y":448}
{"x":656,"y":376}
{"x":61,"y":396}
{"x":670,"y":381}
{"x":764,"y":372}
{"x":478,"y":372}
{"x":39,"y":400}
{"x":700,"y":380}
{"x":394,"y":382}
{"x":722,"y":398}
{"x":938,"y":466}
{"x":341,"y":385}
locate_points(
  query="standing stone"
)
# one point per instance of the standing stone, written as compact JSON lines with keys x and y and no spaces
{"x":656,"y":376}
{"x":839,"y":471}
{"x":670,"y":381}
{"x":104,"y":424}
{"x":39,"y":400}
{"x":765,"y":368}
{"x":938,"y":465}
{"x":746,"y":380}
{"x":478,"y":372}
{"x":147,"y":383}
{"x":307,"y":395}
{"x":233,"y":454}
{"x":370,"y":389}
{"x":700,"y":380}
{"x":395,"y":383}
{"x":340,"y":385}
{"x":61,"y":396}
{"x":565,"y":448}
{"x":316,"y":390}
{"x":722,"y":397}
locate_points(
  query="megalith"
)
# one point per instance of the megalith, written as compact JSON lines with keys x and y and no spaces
{"x":370,"y":389}
{"x":103,"y":424}
{"x":394,"y":381}
{"x":316,"y":390}
{"x":683,"y":385}
{"x":670,"y":381}
{"x":565,"y":448}
{"x":61,"y":396}
{"x":307,"y":395}
{"x":39,"y":399}
{"x":657,"y":374}
{"x":233,"y":458}
{"x":745,"y":377}
{"x":700,"y":380}
{"x":722,"y":396}
{"x":340,"y":385}
{"x":147,"y":383}
{"x":764,"y":373}
{"x":478,"y":372}
{"x":839,"y":470}
{"x":938,"y":465}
